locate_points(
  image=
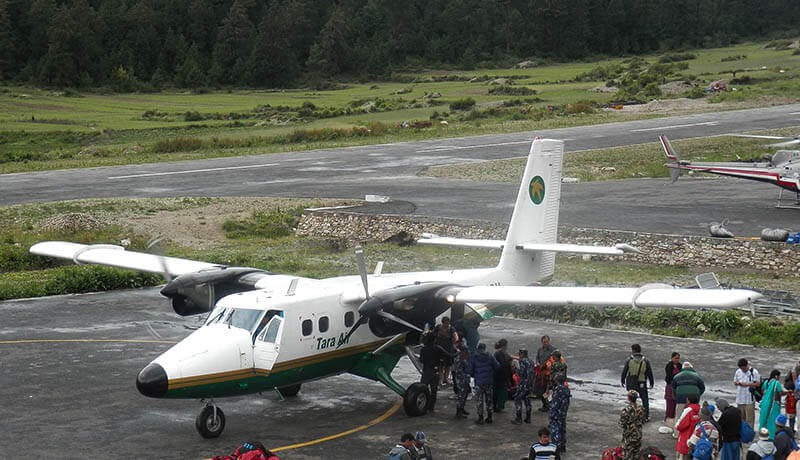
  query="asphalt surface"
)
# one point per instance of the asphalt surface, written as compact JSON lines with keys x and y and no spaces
{"x":392,"y":170}
{"x":70,"y":363}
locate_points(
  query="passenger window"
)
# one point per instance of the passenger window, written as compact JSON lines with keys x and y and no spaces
{"x":349,"y":319}
{"x":324,"y":322}
{"x":308,"y":327}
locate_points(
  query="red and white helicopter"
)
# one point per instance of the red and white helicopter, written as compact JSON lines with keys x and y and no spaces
{"x":782,"y":169}
{"x":268,"y":331}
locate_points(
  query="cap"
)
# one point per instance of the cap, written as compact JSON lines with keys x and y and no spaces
{"x":687,"y":365}
{"x":722,"y":403}
{"x":781,"y":420}
{"x":763,"y":434}
{"x":420,"y":437}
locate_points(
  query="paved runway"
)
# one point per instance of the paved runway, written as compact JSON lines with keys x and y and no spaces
{"x":392,"y":170}
{"x":70,"y":363}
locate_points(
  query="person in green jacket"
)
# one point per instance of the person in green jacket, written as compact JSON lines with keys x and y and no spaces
{"x":686,"y":382}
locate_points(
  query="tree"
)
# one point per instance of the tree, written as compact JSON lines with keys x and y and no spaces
{"x":234,"y":44}
{"x":332,"y":51}
{"x":275,"y":59}
{"x":7,"y":48}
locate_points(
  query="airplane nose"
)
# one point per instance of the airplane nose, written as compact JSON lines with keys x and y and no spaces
{"x":152,"y":381}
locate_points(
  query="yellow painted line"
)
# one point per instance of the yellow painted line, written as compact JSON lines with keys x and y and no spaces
{"x":371,"y":423}
{"x":8,"y":342}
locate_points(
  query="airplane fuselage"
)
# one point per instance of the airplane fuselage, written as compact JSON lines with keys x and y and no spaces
{"x":272,"y":338}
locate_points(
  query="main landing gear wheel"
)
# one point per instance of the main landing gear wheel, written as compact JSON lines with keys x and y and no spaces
{"x":290,"y":390}
{"x":210,"y":422}
{"x":415,"y":400}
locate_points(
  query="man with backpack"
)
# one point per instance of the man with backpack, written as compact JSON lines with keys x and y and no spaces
{"x":745,"y":379}
{"x":635,"y":375}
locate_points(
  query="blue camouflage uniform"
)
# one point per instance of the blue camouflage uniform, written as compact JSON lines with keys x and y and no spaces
{"x":525,"y":373}
{"x":482,"y":366}
{"x":558,"y":414}
{"x":461,"y":381}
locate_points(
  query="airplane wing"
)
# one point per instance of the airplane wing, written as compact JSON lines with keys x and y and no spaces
{"x":658,"y":295}
{"x":116,"y":256}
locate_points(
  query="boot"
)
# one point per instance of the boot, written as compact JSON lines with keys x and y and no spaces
{"x":489,"y":418}
{"x":527,"y":416}
{"x":518,"y":419}
{"x":464,"y":411}
{"x":480,"y":420}
{"x":460,"y":413}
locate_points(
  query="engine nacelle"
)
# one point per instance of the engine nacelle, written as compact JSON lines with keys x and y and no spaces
{"x":195,"y":293}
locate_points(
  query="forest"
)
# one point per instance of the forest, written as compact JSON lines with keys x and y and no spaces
{"x":144,"y":45}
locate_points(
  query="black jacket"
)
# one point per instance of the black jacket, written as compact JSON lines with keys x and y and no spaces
{"x":730,"y":424}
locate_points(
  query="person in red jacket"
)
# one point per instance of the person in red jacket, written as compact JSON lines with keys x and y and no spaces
{"x":685,"y":424}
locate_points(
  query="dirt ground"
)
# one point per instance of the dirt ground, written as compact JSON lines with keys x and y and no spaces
{"x":201,"y":227}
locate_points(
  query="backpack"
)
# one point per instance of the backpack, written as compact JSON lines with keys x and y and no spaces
{"x":613,"y":453}
{"x":703,"y":449}
{"x":632,"y":379}
{"x":746,"y":432}
{"x":757,"y":392}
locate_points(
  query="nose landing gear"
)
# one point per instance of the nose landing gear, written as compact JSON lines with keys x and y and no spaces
{"x":211,"y":421}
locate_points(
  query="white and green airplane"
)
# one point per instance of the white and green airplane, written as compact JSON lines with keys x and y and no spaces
{"x":269,"y":331}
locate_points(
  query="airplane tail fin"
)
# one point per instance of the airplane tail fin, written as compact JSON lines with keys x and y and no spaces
{"x":535,"y":216}
{"x":672,"y":158}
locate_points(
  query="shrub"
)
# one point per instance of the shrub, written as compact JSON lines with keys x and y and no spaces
{"x":676,"y":57}
{"x":178,"y":144}
{"x":512,"y":90}
{"x":272,"y":224}
{"x":192,"y":116}
{"x":462,"y":104}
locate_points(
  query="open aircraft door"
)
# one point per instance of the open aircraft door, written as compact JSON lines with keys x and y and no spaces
{"x":266,"y":346}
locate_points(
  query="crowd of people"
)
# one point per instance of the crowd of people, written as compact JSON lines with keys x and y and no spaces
{"x":495,"y":379}
{"x":713,"y":429}
{"x":697,"y":425}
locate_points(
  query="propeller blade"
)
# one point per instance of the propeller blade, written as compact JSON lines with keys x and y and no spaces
{"x":362,"y":269}
{"x":361,"y":320}
{"x":398,"y":320}
{"x":154,"y":247}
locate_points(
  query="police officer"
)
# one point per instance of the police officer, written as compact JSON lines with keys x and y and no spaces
{"x":524,"y":369}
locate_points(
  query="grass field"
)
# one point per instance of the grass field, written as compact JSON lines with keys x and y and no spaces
{"x":46,"y":129}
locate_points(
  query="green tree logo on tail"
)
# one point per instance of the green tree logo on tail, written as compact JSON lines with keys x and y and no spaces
{"x":536,"y":190}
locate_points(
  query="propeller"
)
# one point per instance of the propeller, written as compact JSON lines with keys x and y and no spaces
{"x":374,"y":306}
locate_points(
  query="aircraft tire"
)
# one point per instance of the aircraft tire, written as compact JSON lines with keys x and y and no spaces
{"x":415,"y":400}
{"x":206,"y":424}
{"x":290,"y":391}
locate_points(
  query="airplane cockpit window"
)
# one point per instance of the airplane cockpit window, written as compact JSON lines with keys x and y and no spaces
{"x":349,"y":319}
{"x":324,"y":323}
{"x":215,"y":315}
{"x":308,"y":327}
{"x":270,"y":334}
{"x":242,"y":318}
